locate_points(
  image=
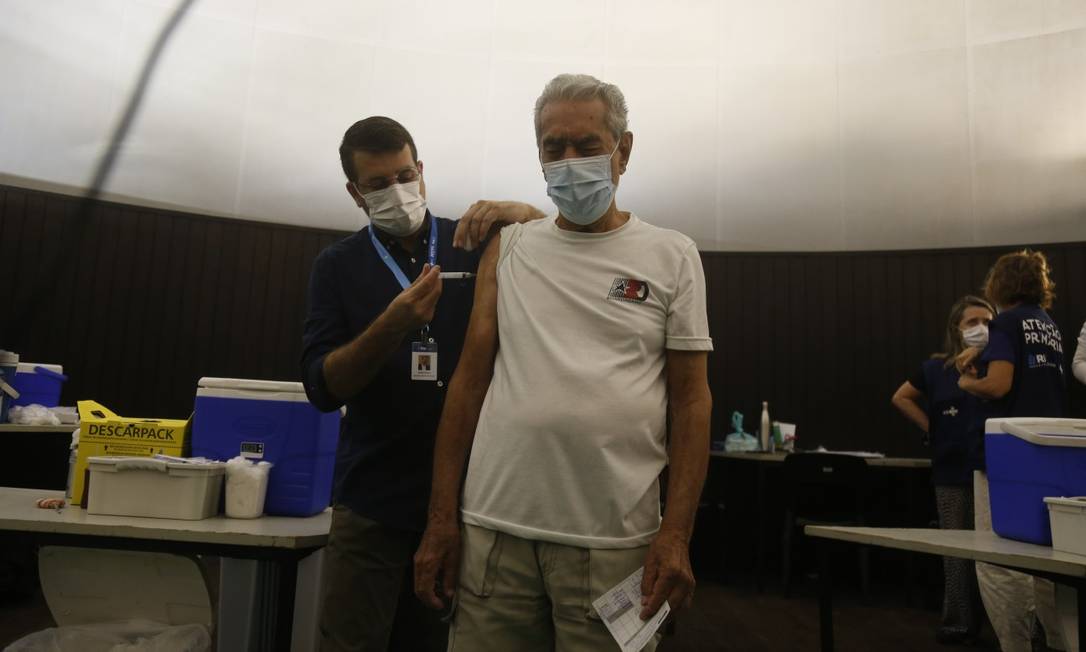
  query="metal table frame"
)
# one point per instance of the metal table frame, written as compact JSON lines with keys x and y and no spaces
{"x":830,"y":536}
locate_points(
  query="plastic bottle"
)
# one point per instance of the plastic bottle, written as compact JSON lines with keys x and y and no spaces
{"x":765,"y":432}
{"x":73,"y":454}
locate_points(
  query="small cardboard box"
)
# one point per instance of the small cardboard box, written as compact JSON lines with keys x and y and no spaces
{"x":101,"y":432}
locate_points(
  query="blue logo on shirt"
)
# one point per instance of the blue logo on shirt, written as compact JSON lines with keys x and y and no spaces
{"x":1037,"y":360}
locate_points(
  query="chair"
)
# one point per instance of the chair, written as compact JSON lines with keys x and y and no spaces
{"x":823,"y":489}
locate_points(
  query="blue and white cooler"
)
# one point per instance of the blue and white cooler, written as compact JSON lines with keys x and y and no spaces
{"x":271,"y":421}
{"x":39,"y":383}
{"x":1029,"y":459}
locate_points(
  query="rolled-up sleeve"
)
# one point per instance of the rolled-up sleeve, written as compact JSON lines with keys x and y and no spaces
{"x":325,"y":329}
{"x":1001,"y":342}
{"x":687,"y":321}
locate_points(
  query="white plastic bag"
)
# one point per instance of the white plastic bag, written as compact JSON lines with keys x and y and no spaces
{"x":127,"y":636}
{"x":246,"y":486}
{"x":33,"y":415}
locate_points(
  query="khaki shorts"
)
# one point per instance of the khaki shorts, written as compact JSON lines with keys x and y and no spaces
{"x":519,"y":594}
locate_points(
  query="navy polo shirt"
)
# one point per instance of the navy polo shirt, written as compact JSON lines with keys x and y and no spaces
{"x":1026,"y":337}
{"x":955,"y":424}
{"x":386,"y":443}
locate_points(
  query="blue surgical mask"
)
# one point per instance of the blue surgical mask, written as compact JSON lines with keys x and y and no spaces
{"x":581,"y":188}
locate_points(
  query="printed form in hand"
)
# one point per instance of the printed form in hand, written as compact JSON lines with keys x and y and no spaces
{"x":620,"y":610}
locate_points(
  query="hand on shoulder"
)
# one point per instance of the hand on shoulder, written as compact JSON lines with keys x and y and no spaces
{"x":485,"y":217}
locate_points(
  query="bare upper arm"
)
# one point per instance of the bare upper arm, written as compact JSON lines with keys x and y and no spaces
{"x":687,"y":376}
{"x":481,"y":341}
{"x":1000,"y":378}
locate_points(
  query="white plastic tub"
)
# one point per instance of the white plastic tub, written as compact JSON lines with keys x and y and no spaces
{"x":246,"y":487}
{"x":1068,"y":518}
{"x":144,"y":486}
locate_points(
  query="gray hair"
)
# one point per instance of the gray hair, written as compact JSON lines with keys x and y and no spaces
{"x":584,"y":87}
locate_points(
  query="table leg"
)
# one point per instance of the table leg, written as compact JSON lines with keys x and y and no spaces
{"x":825,"y":596}
{"x":287,"y":570}
{"x":759,"y":528}
{"x":1080,"y":600}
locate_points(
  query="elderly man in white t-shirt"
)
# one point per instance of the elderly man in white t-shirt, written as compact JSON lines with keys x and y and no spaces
{"x":588,"y":332}
{"x":1078,"y":364}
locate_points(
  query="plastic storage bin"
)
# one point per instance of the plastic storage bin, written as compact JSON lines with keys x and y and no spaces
{"x":1029,"y":459}
{"x":145,"y":486}
{"x":1068,"y":519}
{"x":39,"y":383}
{"x":271,"y":421}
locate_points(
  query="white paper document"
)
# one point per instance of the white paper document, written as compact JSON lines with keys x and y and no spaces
{"x":620,"y":609}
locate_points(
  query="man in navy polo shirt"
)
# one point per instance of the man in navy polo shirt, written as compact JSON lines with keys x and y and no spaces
{"x":382,"y":336}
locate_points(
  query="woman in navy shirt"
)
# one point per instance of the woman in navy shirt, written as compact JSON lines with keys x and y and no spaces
{"x":1018,"y":374}
{"x":954,"y":424}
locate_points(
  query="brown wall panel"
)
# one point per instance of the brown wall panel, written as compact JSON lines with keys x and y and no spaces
{"x":858,"y":324}
{"x":139,"y":303}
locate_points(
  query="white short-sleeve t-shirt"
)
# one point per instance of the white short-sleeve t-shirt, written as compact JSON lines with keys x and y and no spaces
{"x":571,"y":436}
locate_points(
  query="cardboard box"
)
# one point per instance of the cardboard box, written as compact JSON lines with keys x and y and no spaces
{"x":101,"y":432}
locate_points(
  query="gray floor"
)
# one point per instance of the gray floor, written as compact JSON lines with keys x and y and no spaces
{"x":725,"y":618}
{"x":730,"y":618}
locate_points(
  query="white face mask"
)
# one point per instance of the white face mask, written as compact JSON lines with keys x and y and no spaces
{"x":976,"y":336}
{"x":581,"y":188}
{"x":397,"y":210}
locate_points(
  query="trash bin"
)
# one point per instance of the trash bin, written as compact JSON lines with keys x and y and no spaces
{"x":117,"y":599}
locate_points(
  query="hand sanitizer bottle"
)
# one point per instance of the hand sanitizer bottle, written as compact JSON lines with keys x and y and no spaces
{"x":765,"y":432}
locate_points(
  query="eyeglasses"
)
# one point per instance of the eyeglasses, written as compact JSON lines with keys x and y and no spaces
{"x":406,"y":175}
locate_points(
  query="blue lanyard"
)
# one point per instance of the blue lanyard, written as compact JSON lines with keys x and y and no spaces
{"x":391,"y":263}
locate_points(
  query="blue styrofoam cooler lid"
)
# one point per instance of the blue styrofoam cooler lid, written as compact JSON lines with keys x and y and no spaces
{"x":260,"y":390}
{"x":1040,"y":431}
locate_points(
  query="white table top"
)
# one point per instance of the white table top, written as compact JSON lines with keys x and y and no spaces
{"x":14,"y":427}
{"x":896,"y":462}
{"x":966,"y":544}
{"x":19,"y":512}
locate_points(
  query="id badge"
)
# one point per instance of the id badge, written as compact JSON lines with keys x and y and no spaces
{"x":423,"y":361}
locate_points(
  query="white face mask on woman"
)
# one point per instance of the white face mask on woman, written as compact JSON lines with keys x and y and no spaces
{"x":398,"y":210}
{"x":977,"y":336}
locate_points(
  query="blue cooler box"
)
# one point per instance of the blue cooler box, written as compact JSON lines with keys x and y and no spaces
{"x":274,"y":422}
{"x":1029,"y":459}
{"x":39,"y":383}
